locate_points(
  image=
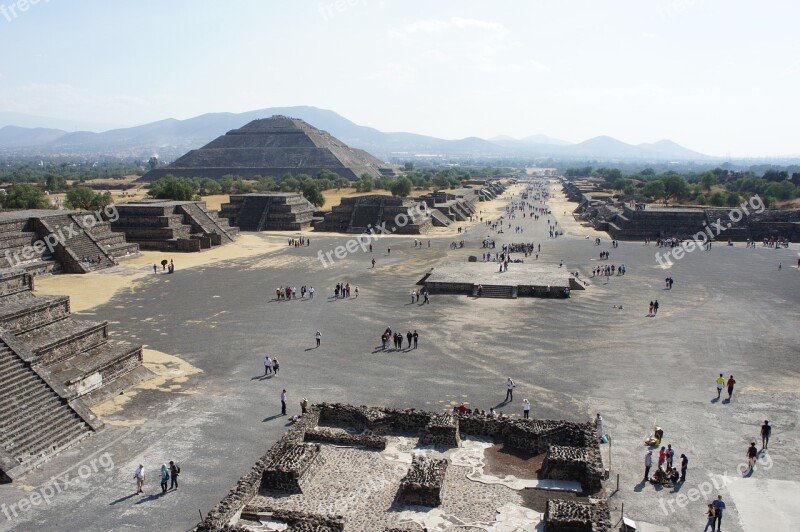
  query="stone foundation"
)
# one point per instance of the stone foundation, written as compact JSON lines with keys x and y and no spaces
{"x":442,"y":429}
{"x":292,"y":467}
{"x":422,"y":485}
{"x":571,"y":516}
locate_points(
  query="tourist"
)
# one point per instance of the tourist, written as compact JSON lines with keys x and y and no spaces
{"x":670,"y":455}
{"x":416,"y":338}
{"x":373,"y":258}
{"x":684,"y":465}
{"x":710,"y":518}
{"x":311,"y":293}
{"x":720,"y":384}
{"x":267,"y":366}
{"x":731,"y":382}
{"x":318,"y":337}
{"x":510,"y":390}
{"x":304,"y":405}
{"x":164,"y":478}
{"x":155,"y":269}
{"x":766,"y":429}
{"x":174,"y":471}
{"x":648,"y":463}
{"x":752,"y":454}
{"x":650,"y":312}
{"x":662,"y":456}
{"x":139,"y":476}
{"x":283,"y":402}
{"x":598,"y":422}
{"x":388,"y":251}
{"x":719,"y":505}
{"x":275,"y":366}
{"x":655,"y":307}
{"x":413,"y":296}
{"x":356,"y":290}
{"x":526,"y":409}
{"x":410,"y":337}
{"x":425,"y":296}
{"x":491,"y":413}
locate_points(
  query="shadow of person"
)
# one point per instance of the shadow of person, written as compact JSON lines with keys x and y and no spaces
{"x":640,"y":486}
{"x":270,"y":418}
{"x":150,"y":498}
{"x":123,"y":499}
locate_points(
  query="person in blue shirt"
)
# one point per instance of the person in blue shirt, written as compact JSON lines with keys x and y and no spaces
{"x":719,"y":506}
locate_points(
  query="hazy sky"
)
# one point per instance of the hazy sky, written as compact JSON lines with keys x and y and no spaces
{"x":721,"y":77}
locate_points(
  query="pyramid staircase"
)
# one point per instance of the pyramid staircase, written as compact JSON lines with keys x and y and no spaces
{"x":496,"y":291}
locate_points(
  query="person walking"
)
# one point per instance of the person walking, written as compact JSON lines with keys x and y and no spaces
{"x":670,"y":455}
{"x":174,"y":471}
{"x":710,"y":518}
{"x":155,"y":269}
{"x":650,"y":311}
{"x":526,"y":409}
{"x":311,"y":293}
{"x":752,"y":455}
{"x":266,"y":366}
{"x":304,"y":406}
{"x":283,"y":403}
{"x":510,"y":390}
{"x":684,"y":465}
{"x":655,"y":307}
{"x":139,"y":476}
{"x":731,"y":382}
{"x":318,"y":336}
{"x":766,"y":430}
{"x":410,"y":337}
{"x":719,"y":506}
{"x":662,"y":456}
{"x":648,"y":463}
{"x":720,"y":384}
{"x":416,"y":338}
{"x":373,"y":261}
{"x":275,"y":366}
{"x":426,"y":300}
{"x":164,"y":478}
{"x":356,"y":290}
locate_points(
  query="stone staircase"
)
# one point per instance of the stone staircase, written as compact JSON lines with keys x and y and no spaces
{"x":17,"y":251}
{"x":75,"y":244}
{"x":496,"y":291}
{"x":251,"y":215}
{"x":34,"y":421}
{"x":207,"y":224}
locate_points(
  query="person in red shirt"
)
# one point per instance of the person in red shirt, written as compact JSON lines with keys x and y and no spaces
{"x":731,"y":382}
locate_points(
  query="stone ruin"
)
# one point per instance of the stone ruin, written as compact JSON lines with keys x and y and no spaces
{"x":273,"y":147}
{"x":573,"y":516}
{"x":73,"y":237}
{"x":400,"y":216}
{"x":292,"y":468}
{"x":165,"y":225}
{"x":442,"y":429}
{"x":273,"y":211}
{"x":423,"y":481}
{"x":422,"y":485}
{"x":52,"y":368}
{"x":615,"y":215}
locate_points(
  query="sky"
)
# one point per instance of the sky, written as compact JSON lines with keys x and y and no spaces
{"x":717,"y":76}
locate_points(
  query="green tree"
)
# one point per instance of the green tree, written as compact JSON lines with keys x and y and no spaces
{"x":675,"y":186}
{"x":56,"y":183}
{"x":717,"y":199}
{"x":365,"y":184}
{"x":654,"y":189}
{"x":408,"y":167}
{"x":174,"y":188}
{"x":401,"y":187}
{"x":313,"y":194}
{"x":153,"y":163}
{"x":26,"y":196}
{"x":708,"y":180}
{"x":209,"y":187}
{"x":733,"y":199}
{"x":86,"y":199}
{"x":265,"y":184}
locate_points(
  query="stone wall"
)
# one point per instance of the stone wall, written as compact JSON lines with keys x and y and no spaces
{"x":423,"y":483}
{"x":573,"y":516}
{"x":292,"y":468}
{"x":322,"y":434}
{"x":442,"y":429}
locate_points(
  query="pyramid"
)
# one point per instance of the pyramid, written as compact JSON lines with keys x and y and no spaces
{"x":272,"y":147}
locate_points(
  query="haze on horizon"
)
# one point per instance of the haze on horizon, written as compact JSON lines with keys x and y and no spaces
{"x":717,"y":77}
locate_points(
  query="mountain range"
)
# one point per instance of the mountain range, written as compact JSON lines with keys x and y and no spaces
{"x":171,"y":138}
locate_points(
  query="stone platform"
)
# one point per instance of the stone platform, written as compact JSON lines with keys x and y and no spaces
{"x":521,"y":280}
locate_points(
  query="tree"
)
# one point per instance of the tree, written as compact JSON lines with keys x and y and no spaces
{"x":312,"y":193}
{"x":717,"y":199}
{"x":26,"y":196}
{"x":153,"y":162}
{"x":733,"y":199}
{"x":708,"y":180}
{"x":86,"y":199}
{"x":675,"y":186}
{"x":174,"y":188}
{"x":654,"y":189}
{"x":365,"y":184}
{"x":209,"y":187}
{"x":401,"y":187}
{"x":56,"y":183}
{"x":408,"y":167}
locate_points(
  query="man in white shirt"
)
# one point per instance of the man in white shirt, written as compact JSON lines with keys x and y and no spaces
{"x":139,"y":476}
{"x":510,"y":390}
{"x":267,"y":366}
{"x":283,"y":403}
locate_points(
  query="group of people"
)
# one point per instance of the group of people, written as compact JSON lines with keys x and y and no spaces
{"x":667,"y":473}
{"x":397,"y":338}
{"x":271,"y":366}
{"x":416,"y":295}
{"x":343,"y":289}
{"x":720,"y":382}
{"x":651,"y":313}
{"x":169,"y":475}
{"x":298,"y":242}
{"x":285,"y":293}
{"x":609,"y":270}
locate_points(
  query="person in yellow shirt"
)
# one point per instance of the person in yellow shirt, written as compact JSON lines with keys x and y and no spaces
{"x":720,"y":384}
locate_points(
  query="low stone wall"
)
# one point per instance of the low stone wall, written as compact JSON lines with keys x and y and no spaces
{"x":292,"y":468}
{"x":442,"y":429}
{"x":571,"y":463}
{"x":321,"y":434}
{"x":297,"y":521}
{"x":423,"y":483}
{"x":572,"y":516}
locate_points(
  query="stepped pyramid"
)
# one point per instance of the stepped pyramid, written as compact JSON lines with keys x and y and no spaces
{"x":272,"y":147}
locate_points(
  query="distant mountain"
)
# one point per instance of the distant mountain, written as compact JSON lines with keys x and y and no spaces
{"x":8,"y":118}
{"x":169,"y":139}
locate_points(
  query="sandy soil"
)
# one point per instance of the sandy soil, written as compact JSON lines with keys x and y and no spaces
{"x":90,"y":290}
{"x":562,"y":209}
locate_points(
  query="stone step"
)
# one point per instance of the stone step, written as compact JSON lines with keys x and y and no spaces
{"x":496,"y":291}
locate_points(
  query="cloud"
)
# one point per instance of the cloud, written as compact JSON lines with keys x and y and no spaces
{"x":439,"y":27}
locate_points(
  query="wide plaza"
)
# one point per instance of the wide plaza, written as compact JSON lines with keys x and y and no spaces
{"x":209,"y":326}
